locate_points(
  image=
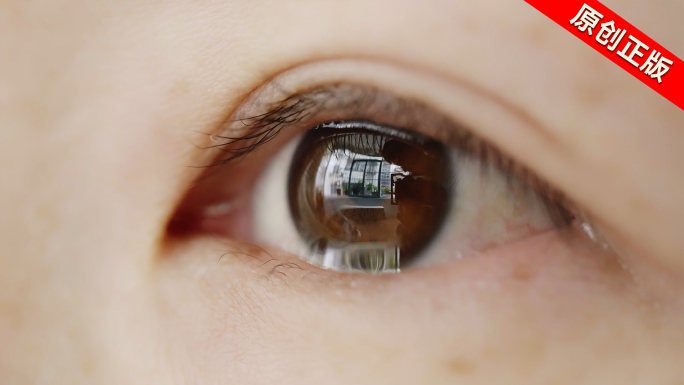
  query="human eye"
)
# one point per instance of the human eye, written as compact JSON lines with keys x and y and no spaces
{"x":352,"y":178}
{"x":361,"y":197}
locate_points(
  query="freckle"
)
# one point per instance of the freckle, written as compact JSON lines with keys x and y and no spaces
{"x":13,"y":313}
{"x":468,"y":25}
{"x":437,"y":306}
{"x":459,"y":366}
{"x":611,"y":265}
{"x":180,"y":87}
{"x":521,"y":273}
{"x":591,"y":93}
{"x":537,"y":35}
{"x":88,"y":366}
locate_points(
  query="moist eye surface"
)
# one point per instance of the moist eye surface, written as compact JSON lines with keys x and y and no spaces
{"x":366,"y":197}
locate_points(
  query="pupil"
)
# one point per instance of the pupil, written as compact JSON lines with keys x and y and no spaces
{"x":368,"y":198}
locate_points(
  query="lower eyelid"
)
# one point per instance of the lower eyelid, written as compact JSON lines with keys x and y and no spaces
{"x":520,"y":264}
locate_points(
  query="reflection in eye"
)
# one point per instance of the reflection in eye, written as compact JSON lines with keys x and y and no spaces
{"x":364,"y":197}
{"x":361,"y":197}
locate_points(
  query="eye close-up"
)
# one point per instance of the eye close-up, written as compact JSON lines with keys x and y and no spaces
{"x":361,"y":196}
{"x":335,"y":192}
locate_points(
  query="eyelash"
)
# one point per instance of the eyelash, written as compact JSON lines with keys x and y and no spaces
{"x":260,"y":129}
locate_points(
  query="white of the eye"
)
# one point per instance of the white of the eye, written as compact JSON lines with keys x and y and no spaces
{"x":273,"y":223}
{"x":488,"y":209}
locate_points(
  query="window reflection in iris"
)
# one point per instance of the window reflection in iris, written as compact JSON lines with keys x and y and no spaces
{"x":366,"y":197}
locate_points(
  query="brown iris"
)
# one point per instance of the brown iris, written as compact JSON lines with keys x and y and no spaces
{"x":367,"y":197}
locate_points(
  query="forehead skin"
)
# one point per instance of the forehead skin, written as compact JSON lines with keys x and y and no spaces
{"x":95,"y":99}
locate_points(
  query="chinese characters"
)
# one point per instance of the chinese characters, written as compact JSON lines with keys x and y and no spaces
{"x":586,"y":18}
{"x":608,"y":35}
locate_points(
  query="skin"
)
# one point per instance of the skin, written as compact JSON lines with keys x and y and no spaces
{"x":97,"y":100}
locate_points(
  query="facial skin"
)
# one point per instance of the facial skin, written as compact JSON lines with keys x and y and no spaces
{"x":98,"y":100}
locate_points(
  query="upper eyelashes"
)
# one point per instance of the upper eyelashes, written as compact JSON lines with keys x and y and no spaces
{"x":324,"y":104}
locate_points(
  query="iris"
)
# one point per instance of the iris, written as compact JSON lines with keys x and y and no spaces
{"x":368,"y":197}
